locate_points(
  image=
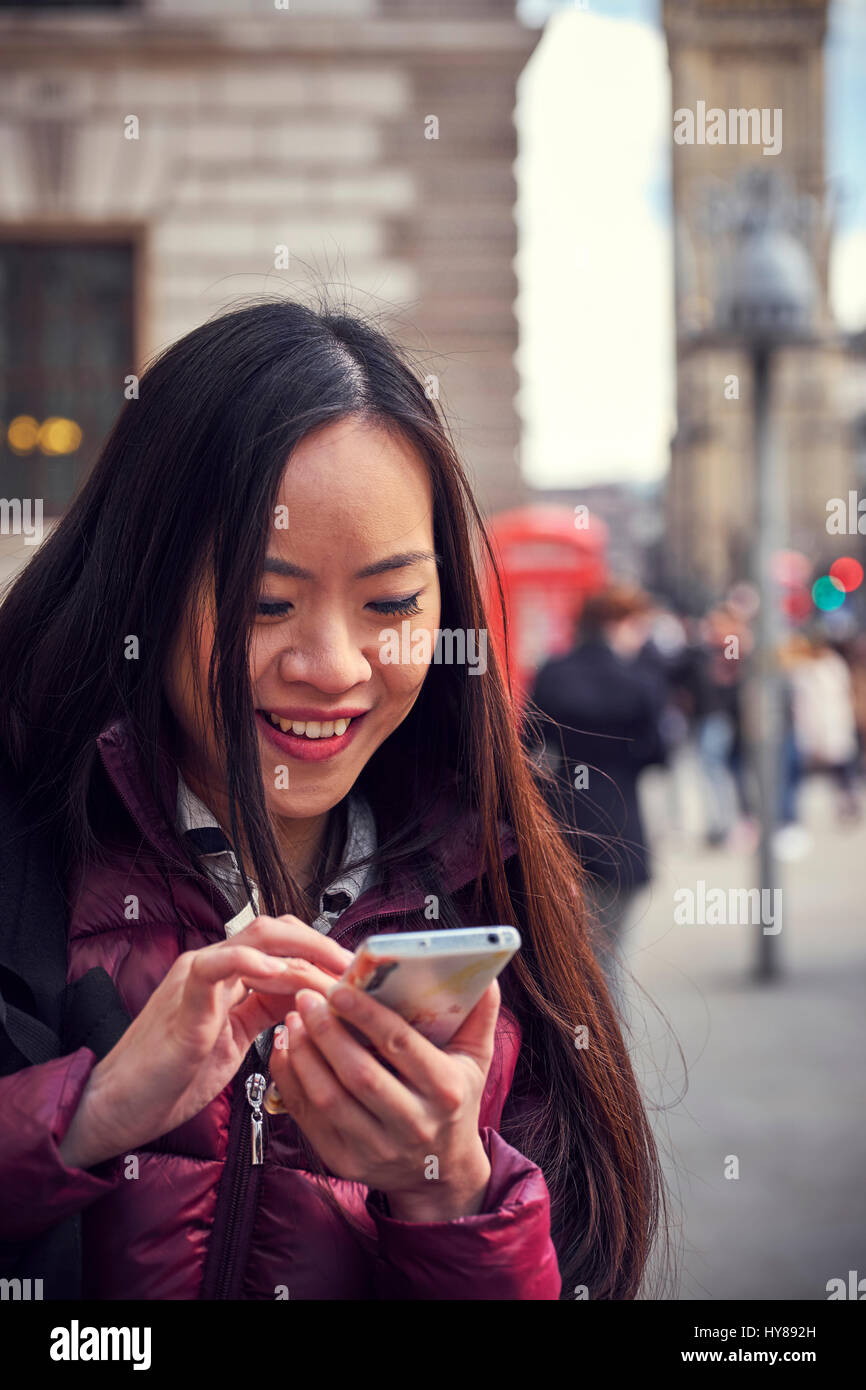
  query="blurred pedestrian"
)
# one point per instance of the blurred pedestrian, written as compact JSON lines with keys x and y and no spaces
{"x":601,"y":714}
{"x":716,"y":684}
{"x":824,"y":726}
{"x":855,"y":655}
{"x":792,"y":840}
{"x":667,"y":655}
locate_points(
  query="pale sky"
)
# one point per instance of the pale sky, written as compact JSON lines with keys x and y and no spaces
{"x":595,"y":260}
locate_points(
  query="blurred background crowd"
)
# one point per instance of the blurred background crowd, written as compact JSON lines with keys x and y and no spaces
{"x":644,"y":686}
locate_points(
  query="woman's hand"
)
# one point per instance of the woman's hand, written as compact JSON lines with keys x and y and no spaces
{"x":414,"y":1135}
{"x":193,"y":1033}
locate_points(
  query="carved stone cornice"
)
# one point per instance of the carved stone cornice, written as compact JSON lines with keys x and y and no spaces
{"x":51,"y":34}
{"x":744,"y":23}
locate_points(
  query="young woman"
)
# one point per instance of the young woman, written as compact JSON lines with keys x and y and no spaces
{"x":217,"y":782}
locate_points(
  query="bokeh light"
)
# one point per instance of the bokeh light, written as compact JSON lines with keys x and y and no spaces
{"x":56,"y":435}
{"x":23,"y":434}
{"x":791,"y":567}
{"x":59,"y":436}
{"x":847,"y":572}
{"x":827,"y":593}
{"x":797,"y":604}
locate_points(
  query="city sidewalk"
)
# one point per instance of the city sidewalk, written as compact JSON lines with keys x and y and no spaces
{"x":775,"y":1073}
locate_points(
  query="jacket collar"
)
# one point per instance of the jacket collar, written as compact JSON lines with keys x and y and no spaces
{"x":200,"y":828}
{"x":455,"y":848}
{"x":123,"y":761}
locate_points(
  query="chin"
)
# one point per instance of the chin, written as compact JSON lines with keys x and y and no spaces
{"x":298,"y":803}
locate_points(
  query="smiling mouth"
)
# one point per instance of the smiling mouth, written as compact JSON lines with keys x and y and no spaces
{"x":308,"y":728}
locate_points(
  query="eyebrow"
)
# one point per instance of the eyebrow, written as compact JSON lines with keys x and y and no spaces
{"x":273,"y":565}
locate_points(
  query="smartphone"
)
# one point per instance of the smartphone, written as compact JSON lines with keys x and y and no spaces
{"x":433,"y":979}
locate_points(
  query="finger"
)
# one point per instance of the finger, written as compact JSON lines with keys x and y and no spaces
{"x":355,"y":1066}
{"x":475,"y":1036}
{"x":309,"y":1083}
{"x":284,"y":1096}
{"x":213,"y":966}
{"x":265,"y":1002}
{"x":296,"y":974}
{"x":313,"y":1123}
{"x":254,"y":1014}
{"x":416,"y":1059}
{"x":262,"y":1002}
{"x":287,"y":936}
{"x":287,"y":1039}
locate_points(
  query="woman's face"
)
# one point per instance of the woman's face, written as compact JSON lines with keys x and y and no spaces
{"x":350,"y":557}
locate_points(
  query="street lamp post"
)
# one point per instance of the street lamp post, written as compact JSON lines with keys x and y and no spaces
{"x":767,"y":543}
{"x":767,"y":299}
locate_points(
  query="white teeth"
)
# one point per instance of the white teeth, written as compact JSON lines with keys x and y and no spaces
{"x":312,"y":728}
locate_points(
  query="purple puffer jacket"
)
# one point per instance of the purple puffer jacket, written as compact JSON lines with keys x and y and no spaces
{"x":199,"y":1220}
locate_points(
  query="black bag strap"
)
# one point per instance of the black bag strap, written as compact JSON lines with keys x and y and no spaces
{"x":93,"y":1016}
{"x":34,"y":1040}
{"x":33,"y":964}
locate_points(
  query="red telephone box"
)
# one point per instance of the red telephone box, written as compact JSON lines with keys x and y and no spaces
{"x":549,"y":558}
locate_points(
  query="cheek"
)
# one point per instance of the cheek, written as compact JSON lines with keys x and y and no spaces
{"x":415,"y":640}
{"x":262,"y":653}
{"x":402,"y":681}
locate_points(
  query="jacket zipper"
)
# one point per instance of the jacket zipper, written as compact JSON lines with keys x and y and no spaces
{"x":244,"y":1156}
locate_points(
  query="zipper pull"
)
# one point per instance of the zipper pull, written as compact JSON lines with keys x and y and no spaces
{"x":256,"y":1084}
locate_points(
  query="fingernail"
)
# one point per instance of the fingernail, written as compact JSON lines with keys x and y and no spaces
{"x":310,"y":1003}
{"x":343,"y":997}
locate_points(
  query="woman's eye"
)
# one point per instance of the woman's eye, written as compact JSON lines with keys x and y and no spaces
{"x":402,"y":606}
{"x":268,"y":609}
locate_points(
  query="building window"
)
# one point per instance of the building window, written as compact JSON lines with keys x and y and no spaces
{"x":66,"y":344}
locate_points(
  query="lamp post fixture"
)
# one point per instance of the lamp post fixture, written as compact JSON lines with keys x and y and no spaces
{"x":767,"y":299}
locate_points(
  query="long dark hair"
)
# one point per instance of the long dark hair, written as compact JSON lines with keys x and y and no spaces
{"x":185,"y":487}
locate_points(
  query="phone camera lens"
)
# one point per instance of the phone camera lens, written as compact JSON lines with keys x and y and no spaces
{"x":493,"y":939}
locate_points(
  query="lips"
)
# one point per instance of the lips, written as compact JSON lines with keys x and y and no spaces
{"x":314,"y":744}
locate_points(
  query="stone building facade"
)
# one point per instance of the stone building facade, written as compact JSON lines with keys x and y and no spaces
{"x":732,"y":55}
{"x":372,"y":139}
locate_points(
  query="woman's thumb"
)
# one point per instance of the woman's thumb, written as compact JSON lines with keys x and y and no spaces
{"x":474,"y":1037}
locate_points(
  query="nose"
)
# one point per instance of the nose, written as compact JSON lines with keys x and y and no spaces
{"x":325,"y":654}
